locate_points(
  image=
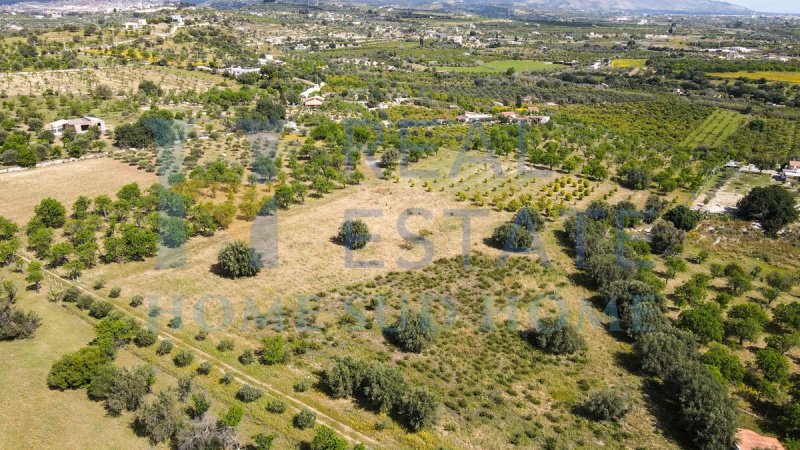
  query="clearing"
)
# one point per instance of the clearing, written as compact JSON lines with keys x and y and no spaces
{"x":20,"y":192}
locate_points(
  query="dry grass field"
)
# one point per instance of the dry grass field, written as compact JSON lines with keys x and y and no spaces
{"x":84,"y":81}
{"x":20,"y":192}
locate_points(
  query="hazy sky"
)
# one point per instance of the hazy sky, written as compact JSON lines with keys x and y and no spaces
{"x":779,"y":6}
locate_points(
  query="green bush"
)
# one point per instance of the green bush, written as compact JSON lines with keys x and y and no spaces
{"x":100,"y":309}
{"x":327,"y":439}
{"x":225,"y":345}
{"x":276,"y":406}
{"x":204,"y":368}
{"x":115,"y":292}
{"x":247,"y":357}
{"x":183,"y":358}
{"x":145,"y":338}
{"x":304,"y":419}
{"x":353,"y":234}
{"x":248,"y":394}
{"x":274,"y":350}
{"x":556,"y":336}
{"x":165,"y":347}
{"x":75,"y":370}
{"x":237,"y":260}
{"x":84,"y":302}
{"x":511,"y":238}
{"x":605,"y":405}
{"x":136,"y":301}
{"x":413,"y":331}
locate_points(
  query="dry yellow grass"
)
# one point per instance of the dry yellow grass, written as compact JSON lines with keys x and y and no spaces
{"x":21,"y":191}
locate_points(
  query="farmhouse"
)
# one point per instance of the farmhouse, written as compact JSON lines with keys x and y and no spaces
{"x":135,"y":25}
{"x":80,"y":125}
{"x":314,"y":101}
{"x":791,"y":170}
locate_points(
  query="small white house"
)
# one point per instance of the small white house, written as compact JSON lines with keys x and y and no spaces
{"x":80,"y":125}
{"x":138,"y":25}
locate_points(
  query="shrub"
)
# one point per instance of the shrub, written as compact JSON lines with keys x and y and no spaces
{"x":512,"y":237}
{"x":248,"y":394}
{"x":101,"y":383}
{"x":100,"y":309}
{"x":666,"y":239}
{"x":247,"y":357}
{"x":787,"y":316}
{"x":115,"y":292}
{"x":302,"y":385}
{"x":75,"y":370}
{"x":165,"y":347}
{"x":225,"y":345}
{"x":136,"y":301}
{"x":605,"y":405}
{"x":304,"y":419}
{"x":15,"y":324}
{"x":160,"y":419}
{"x":382,"y":386}
{"x":705,"y":321}
{"x":276,"y":406}
{"x":175,"y":322}
{"x":183,"y":358}
{"x":723,"y":359}
{"x":556,"y":336}
{"x":773,"y":206}
{"x":237,"y":260}
{"x":84,"y":302}
{"x":227,"y":378}
{"x":71,"y":294}
{"x":201,"y":335}
{"x":353,"y":234}
{"x":128,"y":388}
{"x":145,"y":338}
{"x":683,"y":218}
{"x":327,"y":439}
{"x":263,"y":441}
{"x":772,"y":364}
{"x":204,"y":368}
{"x":413,"y":331}
{"x":344,"y":378}
{"x":274,"y":350}
{"x":418,"y":409}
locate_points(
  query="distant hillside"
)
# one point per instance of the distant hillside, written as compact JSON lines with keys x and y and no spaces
{"x":679,"y":6}
{"x":688,"y":6}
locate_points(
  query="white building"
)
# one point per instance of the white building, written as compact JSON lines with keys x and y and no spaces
{"x":80,"y":125}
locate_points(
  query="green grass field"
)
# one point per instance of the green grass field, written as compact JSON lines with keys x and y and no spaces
{"x":32,"y":415}
{"x":628,"y":63}
{"x":524,"y":65}
{"x":718,"y":127}
{"x":787,"y":77}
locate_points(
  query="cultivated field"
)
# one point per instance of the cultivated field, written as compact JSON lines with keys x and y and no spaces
{"x":788,"y":77}
{"x":502,"y":66}
{"x":21,"y":191}
{"x":628,"y":63}
{"x":716,"y":129}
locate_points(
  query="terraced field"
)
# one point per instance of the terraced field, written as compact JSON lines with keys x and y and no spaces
{"x":718,"y":127}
